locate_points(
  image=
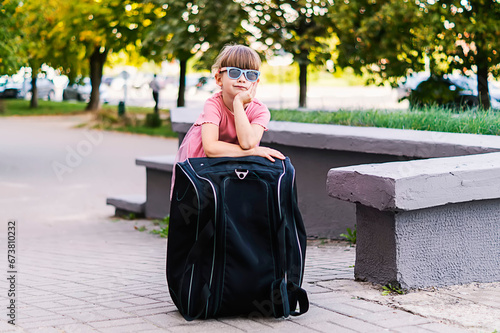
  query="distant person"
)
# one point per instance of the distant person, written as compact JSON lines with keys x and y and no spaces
{"x":155,"y":86}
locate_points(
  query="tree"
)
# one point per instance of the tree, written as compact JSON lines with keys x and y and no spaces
{"x":299,"y":27}
{"x":34,"y":21}
{"x":389,"y":39}
{"x":384,"y":39}
{"x":472,"y":38}
{"x":10,"y":59}
{"x":187,"y":28}
{"x":94,"y":28}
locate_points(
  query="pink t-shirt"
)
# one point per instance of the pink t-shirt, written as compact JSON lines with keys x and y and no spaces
{"x":215,"y":112}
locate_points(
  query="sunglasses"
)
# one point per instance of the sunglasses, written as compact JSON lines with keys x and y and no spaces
{"x":234,"y":73}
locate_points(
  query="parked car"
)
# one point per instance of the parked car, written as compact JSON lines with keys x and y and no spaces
{"x":45,"y":89}
{"x":12,"y":88}
{"x":3,"y":83}
{"x":81,"y":90}
{"x":456,"y":91}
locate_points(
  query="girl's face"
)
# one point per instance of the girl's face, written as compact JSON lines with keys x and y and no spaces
{"x":233,"y":86}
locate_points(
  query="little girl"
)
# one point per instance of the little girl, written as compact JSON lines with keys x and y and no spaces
{"x":232,"y":121}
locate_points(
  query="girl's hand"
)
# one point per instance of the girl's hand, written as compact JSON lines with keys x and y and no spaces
{"x":248,"y":95}
{"x":268,"y":153}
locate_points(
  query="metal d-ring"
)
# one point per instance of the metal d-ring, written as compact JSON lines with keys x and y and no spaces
{"x":241,"y":173}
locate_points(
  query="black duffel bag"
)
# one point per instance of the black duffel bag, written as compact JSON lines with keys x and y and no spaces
{"x":236,"y":243}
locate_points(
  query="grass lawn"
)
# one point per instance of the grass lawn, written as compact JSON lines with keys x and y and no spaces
{"x":425,"y":119}
{"x":21,"y":107}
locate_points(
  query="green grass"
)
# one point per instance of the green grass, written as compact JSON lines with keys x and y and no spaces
{"x":165,"y":130}
{"x":427,"y":119}
{"x":21,"y":107}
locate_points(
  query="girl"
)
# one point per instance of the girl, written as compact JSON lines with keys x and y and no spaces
{"x":232,"y":121}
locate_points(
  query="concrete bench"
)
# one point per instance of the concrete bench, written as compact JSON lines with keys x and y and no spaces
{"x":315,"y":148}
{"x":156,"y":202}
{"x":158,"y":181}
{"x":423,"y":223}
{"x":128,"y":204}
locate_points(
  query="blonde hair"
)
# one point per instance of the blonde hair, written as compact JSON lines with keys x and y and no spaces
{"x":240,"y":56}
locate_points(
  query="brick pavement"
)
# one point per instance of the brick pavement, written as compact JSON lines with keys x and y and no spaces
{"x":108,"y":277}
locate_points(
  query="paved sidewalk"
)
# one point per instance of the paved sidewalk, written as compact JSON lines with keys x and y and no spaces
{"x":80,"y":270}
{"x":109,"y":277}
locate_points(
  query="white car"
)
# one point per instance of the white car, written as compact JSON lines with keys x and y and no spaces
{"x":81,"y":92}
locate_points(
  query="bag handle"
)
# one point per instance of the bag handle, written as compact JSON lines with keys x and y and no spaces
{"x":285,"y":297}
{"x":225,"y":160}
{"x":297,"y":295}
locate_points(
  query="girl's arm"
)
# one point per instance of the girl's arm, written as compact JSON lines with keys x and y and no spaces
{"x":249,"y":135}
{"x":215,"y":148}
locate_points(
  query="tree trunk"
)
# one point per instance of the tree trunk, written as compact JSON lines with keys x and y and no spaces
{"x":482,"y":86}
{"x":182,"y":83}
{"x":96,"y":61}
{"x":303,"y":84}
{"x":34,"y":90}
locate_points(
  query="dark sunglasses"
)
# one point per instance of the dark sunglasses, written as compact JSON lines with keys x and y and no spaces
{"x":234,"y":73}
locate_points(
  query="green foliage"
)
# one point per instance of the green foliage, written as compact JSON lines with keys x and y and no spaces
{"x":390,"y":39}
{"x":163,"y":230}
{"x":390,"y":288}
{"x":10,"y":59}
{"x":130,"y":216}
{"x":298,"y":27}
{"x":351,"y":235}
{"x":385,"y":39}
{"x":293,"y":26}
{"x":183,"y":29}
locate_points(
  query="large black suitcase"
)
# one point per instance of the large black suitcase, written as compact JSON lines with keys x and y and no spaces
{"x":236,"y":243}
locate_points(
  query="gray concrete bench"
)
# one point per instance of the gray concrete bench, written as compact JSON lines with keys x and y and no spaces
{"x":125,"y":205}
{"x":158,"y":180}
{"x":424,"y":223}
{"x":156,"y":202}
{"x":314,"y":149}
